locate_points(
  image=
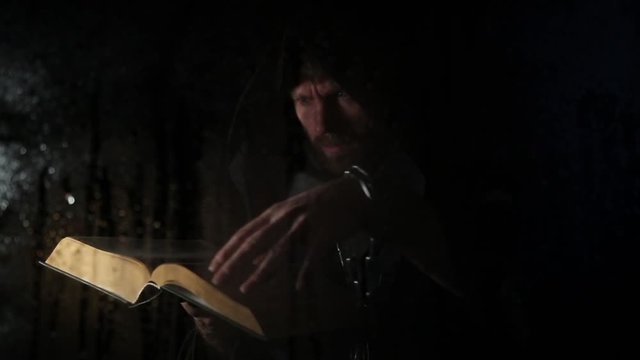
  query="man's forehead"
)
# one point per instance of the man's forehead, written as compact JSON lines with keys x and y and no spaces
{"x":321,"y":85}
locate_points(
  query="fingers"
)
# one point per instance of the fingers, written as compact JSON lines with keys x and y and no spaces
{"x":188,"y":308}
{"x":274,"y":255}
{"x":235,"y":242}
{"x":239,"y":259}
{"x":256,"y":237}
{"x":258,"y":259}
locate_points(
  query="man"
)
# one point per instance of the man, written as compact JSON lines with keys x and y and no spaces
{"x":359,"y":197}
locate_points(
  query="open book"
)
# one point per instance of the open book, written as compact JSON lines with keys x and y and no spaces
{"x":268,"y":316}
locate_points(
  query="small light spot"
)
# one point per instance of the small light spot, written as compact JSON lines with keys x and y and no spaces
{"x":51,"y":170}
{"x":43,"y":147}
{"x":23,"y":150}
{"x":70,"y":199}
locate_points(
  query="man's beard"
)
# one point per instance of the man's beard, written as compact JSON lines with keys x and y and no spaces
{"x":336,"y":164}
{"x":333,"y":139}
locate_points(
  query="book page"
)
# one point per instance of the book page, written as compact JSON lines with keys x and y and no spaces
{"x":113,"y":273}
{"x":203,"y":293}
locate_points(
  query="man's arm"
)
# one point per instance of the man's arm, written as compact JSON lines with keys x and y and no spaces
{"x":335,"y":210}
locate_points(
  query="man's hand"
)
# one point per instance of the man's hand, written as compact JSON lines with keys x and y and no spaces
{"x":314,"y":219}
{"x":204,"y":324}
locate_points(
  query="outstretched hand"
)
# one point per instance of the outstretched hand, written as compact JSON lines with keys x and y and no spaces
{"x":312,"y":220}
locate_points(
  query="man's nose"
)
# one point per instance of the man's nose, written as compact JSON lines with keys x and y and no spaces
{"x":328,"y":116}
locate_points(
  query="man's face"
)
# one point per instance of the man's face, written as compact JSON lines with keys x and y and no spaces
{"x":336,"y":124}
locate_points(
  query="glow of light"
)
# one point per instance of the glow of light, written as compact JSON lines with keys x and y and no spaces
{"x":70,"y":199}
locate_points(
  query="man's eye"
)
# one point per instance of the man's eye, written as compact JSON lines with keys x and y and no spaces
{"x":303,"y":100}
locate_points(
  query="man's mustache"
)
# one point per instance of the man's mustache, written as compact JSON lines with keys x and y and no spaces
{"x":333,"y":139}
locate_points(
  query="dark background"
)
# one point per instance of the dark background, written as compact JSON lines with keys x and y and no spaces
{"x":523,"y":115}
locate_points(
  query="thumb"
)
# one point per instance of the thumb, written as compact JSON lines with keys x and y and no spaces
{"x":193,"y":311}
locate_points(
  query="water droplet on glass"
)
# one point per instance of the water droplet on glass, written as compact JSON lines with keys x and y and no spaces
{"x":23,"y":150}
{"x":51,"y":170}
{"x":65,"y":144}
{"x":25,"y":223}
{"x":122,"y":213}
{"x":70,"y":199}
{"x":156,"y":224}
{"x":43,"y":147}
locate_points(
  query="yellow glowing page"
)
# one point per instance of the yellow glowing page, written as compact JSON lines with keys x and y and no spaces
{"x":115,"y":274}
{"x":191,"y":287}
